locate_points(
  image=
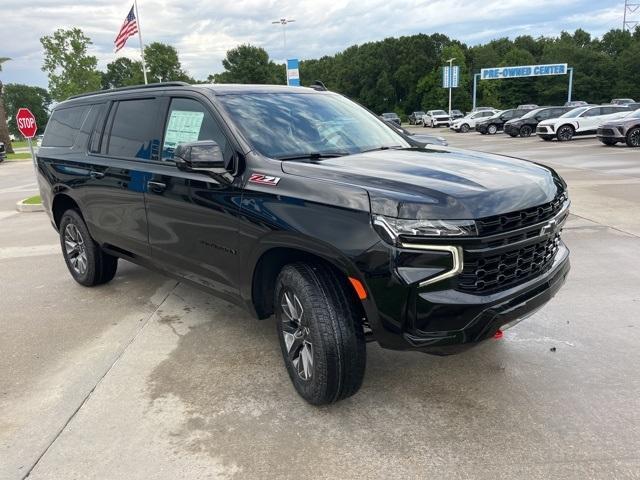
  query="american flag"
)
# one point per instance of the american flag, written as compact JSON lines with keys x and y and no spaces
{"x":129,"y":29}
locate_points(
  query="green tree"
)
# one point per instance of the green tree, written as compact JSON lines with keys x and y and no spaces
{"x":249,"y":64}
{"x":4,"y":130}
{"x":122,"y":73}
{"x":36,"y":99}
{"x":163,"y":64}
{"x":70,"y":69}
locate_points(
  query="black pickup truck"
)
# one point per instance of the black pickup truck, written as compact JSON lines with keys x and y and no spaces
{"x":300,"y":204}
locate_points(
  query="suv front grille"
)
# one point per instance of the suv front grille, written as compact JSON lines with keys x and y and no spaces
{"x":483,"y":273}
{"x":606,"y":131}
{"x":522,"y":218}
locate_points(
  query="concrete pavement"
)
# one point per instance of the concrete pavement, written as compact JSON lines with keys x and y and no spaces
{"x":143,"y":378}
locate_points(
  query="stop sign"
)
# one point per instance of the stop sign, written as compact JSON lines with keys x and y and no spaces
{"x":26,"y":123}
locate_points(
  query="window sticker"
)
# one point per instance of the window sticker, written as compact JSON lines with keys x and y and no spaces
{"x":183,"y":127}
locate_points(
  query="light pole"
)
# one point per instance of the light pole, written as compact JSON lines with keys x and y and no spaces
{"x":450,"y":61}
{"x":284,"y":22}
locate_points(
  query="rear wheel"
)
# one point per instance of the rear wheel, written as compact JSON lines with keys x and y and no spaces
{"x":464,"y":128}
{"x":565,"y":133}
{"x":492,"y":129}
{"x":86,"y":261}
{"x":633,"y":137}
{"x":321,"y":334}
{"x":526,"y":131}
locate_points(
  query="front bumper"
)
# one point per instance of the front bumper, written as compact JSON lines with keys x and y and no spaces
{"x":612,"y":133}
{"x":512,"y":129}
{"x":446,"y":322}
{"x":545,"y":130}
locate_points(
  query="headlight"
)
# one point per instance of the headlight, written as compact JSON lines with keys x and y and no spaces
{"x":392,"y":228}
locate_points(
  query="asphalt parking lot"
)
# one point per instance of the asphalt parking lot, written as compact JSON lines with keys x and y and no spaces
{"x":148,"y":378}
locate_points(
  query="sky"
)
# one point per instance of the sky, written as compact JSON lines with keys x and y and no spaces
{"x":203,"y":30}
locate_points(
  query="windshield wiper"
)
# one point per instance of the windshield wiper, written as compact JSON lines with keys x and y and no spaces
{"x":383,"y":147}
{"x":313,"y":156}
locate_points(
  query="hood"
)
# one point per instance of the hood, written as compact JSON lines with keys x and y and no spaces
{"x":624,"y":121}
{"x":438,"y":182}
{"x":439,"y":116}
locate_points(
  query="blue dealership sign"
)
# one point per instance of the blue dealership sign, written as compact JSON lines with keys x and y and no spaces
{"x":523,"y":71}
{"x":293,"y":72}
{"x":450,"y":77}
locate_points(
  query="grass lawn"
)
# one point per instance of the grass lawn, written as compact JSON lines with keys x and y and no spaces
{"x":19,"y":144}
{"x":35,"y":200}
{"x":19,"y":156}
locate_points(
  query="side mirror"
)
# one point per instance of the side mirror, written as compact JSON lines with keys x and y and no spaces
{"x":202,"y":155}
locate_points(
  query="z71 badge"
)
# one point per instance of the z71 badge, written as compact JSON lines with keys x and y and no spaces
{"x":262,"y":179}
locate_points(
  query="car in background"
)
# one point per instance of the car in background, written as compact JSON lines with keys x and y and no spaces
{"x":526,"y":125}
{"x":576,"y":103}
{"x":464,"y":124}
{"x":392,"y":117}
{"x":419,"y":139}
{"x":456,"y":114}
{"x":3,"y":152}
{"x":580,"y":121}
{"x":481,"y":109}
{"x":436,"y":118}
{"x":416,"y":117}
{"x":39,"y":140}
{"x":622,"y":101}
{"x":633,"y":106}
{"x":625,"y":129}
{"x":495,"y":123}
{"x":527,"y":106}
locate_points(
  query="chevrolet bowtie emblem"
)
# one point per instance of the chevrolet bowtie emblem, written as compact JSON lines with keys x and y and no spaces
{"x":549,"y":228}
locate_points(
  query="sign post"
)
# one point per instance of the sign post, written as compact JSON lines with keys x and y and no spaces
{"x":450,"y":78}
{"x":26,"y":122}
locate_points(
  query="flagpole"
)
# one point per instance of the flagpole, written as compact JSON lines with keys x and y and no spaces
{"x":144,"y":65}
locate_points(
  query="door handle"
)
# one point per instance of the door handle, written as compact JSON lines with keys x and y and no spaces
{"x":156,"y":187}
{"x":96,"y":175}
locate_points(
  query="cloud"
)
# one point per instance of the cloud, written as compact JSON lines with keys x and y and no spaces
{"x":203,"y":31}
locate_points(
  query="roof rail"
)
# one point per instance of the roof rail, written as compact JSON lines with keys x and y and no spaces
{"x":133,"y":87}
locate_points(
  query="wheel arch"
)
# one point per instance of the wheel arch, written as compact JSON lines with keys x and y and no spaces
{"x":62,"y":201}
{"x":270,"y":256}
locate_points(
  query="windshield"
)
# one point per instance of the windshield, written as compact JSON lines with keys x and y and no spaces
{"x":438,"y":112}
{"x":289,"y":124}
{"x":419,"y":114}
{"x":390,"y":115}
{"x":633,"y":114}
{"x":574,"y":113}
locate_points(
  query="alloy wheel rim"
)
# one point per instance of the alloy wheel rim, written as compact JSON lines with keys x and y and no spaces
{"x":75,"y":249}
{"x":635,"y":138}
{"x":297,"y":336}
{"x":492,"y":129}
{"x":565,"y":133}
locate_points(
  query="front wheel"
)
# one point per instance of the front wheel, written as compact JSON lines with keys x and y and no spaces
{"x":321,"y":334}
{"x":565,"y":133}
{"x":86,"y":261}
{"x":633,"y":137}
{"x":464,"y":128}
{"x":526,"y":131}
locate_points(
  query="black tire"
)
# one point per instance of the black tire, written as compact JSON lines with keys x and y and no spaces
{"x":464,"y":128}
{"x":609,"y":142}
{"x":526,"y":131}
{"x":492,"y":129}
{"x":565,"y":133}
{"x":633,"y":137}
{"x":546,"y":138}
{"x":329,"y":331}
{"x":97,"y":267}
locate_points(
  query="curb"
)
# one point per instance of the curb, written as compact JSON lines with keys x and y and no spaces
{"x":24,"y":207}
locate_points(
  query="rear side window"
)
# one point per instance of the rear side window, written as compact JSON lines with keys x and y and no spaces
{"x":82,"y":138}
{"x":63,"y":126}
{"x":134,"y":132}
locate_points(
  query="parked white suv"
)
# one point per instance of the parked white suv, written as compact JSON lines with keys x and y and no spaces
{"x":580,"y":121}
{"x":465,"y":124}
{"x":435,"y":118}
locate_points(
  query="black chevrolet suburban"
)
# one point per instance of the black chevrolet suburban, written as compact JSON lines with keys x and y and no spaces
{"x":298,"y":203}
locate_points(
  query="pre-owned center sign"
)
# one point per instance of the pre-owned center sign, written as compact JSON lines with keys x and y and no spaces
{"x":523,"y":71}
